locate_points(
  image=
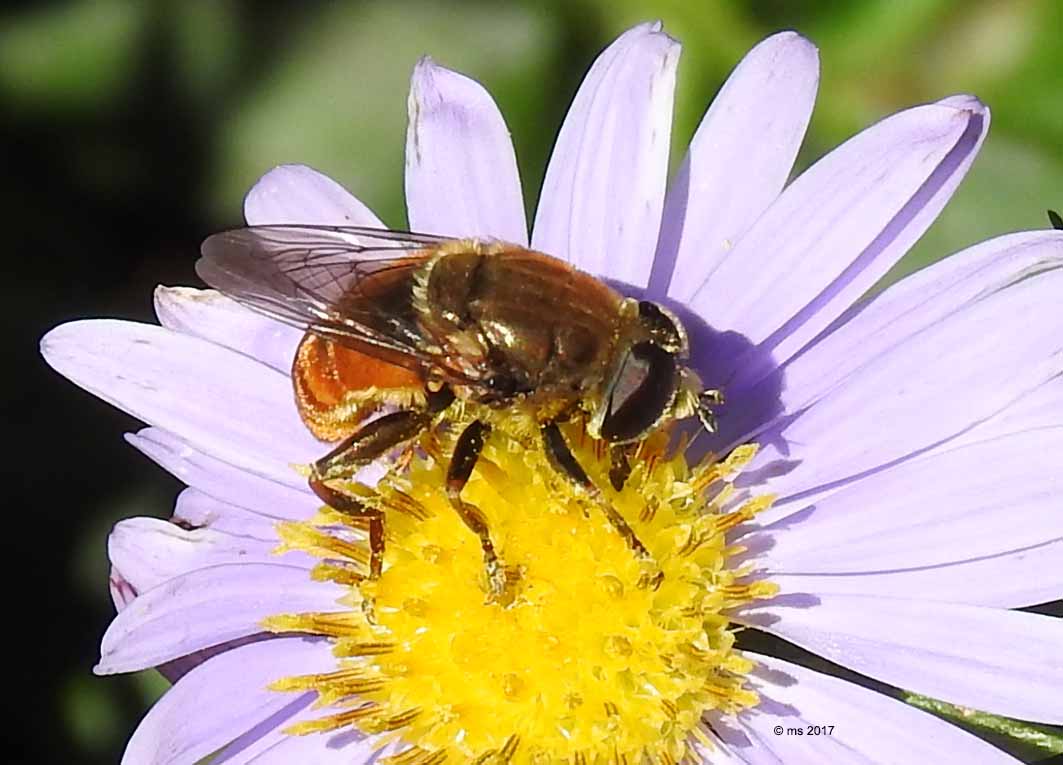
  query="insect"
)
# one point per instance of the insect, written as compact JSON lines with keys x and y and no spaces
{"x":418,"y":324}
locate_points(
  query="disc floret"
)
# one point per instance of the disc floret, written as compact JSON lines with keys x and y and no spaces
{"x":583,"y":662}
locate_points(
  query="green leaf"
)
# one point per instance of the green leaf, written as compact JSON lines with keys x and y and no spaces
{"x":205,"y":36}
{"x":92,"y":713}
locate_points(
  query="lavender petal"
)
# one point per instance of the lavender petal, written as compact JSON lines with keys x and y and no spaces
{"x":214,"y":317}
{"x":1014,"y":579}
{"x":945,"y":508}
{"x":936,"y":385}
{"x":223,"y":698}
{"x":739,"y":160}
{"x":864,"y":726}
{"x":208,"y":607}
{"x":220,"y":402}
{"x":151,"y":551}
{"x":461,"y":172}
{"x":234,"y":486}
{"x":1003,"y":662}
{"x":836,"y":230}
{"x":299,"y":194}
{"x":602,"y":197}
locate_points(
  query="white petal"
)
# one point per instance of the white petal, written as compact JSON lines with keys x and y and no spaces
{"x":212,"y":316}
{"x":601,"y":202}
{"x":300,"y":194}
{"x":1003,"y":662}
{"x":223,"y":698}
{"x":838,"y":228}
{"x":840,"y":722}
{"x":221,"y":402}
{"x":738,"y":161}
{"x":461,"y":172}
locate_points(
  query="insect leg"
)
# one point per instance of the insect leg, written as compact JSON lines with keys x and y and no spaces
{"x":466,"y":454}
{"x":565,"y":462}
{"x":351,"y":506}
{"x":619,"y":466}
{"x":367,"y":444}
{"x":370,"y":442}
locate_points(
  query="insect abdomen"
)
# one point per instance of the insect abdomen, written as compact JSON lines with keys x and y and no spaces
{"x":336,"y":387}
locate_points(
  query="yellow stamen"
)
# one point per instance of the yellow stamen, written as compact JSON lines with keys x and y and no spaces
{"x":580,"y":663}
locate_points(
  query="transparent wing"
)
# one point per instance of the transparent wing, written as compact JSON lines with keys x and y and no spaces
{"x":326,"y":279}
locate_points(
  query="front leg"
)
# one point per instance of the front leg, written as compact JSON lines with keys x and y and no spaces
{"x":565,"y":462}
{"x":369,"y":443}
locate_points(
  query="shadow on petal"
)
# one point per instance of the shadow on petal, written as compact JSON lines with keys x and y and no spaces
{"x":746,"y":410}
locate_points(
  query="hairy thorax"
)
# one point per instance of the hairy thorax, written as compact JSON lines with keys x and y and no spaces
{"x":532,"y":327}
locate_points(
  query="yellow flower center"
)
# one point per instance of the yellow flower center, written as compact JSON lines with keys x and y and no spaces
{"x":583,"y":662}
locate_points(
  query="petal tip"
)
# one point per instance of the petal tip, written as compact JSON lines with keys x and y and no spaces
{"x":174,"y":297}
{"x":966,"y":102}
{"x":102,"y":668}
{"x":273,"y":183}
{"x":286,"y":170}
{"x":642,"y":28}
{"x":165,"y":299}
{"x":47,"y":343}
{"x":647,"y":31}
{"x":57,"y":341}
{"x":797,"y":49}
{"x":422,"y":70}
{"x":432,"y":84}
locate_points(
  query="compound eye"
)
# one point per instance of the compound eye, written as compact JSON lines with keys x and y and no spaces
{"x":642,"y":393}
{"x":664,"y":328}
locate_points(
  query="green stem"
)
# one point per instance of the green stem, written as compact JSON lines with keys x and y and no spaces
{"x":1045,"y":739}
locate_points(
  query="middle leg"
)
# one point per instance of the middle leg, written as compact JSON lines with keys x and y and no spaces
{"x":466,"y":454}
{"x":565,"y":462}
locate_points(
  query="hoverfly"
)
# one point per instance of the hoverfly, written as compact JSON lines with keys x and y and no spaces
{"x":418,"y":323}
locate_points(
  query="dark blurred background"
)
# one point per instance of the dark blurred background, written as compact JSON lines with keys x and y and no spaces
{"x":132,"y":128}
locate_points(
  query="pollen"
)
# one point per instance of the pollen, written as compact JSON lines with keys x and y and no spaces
{"x":582,"y":661}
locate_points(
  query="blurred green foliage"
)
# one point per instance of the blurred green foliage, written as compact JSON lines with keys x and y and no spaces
{"x":327,"y":85}
{"x":324,"y":84}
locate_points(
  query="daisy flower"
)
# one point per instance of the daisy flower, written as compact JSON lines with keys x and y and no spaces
{"x":887,"y":485}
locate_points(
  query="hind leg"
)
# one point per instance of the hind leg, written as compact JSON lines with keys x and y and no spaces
{"x":369,"y":443}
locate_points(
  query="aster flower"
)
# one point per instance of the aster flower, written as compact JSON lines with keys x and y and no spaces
{"x":908,"y":448}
